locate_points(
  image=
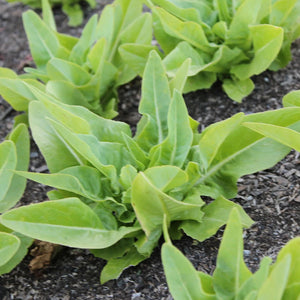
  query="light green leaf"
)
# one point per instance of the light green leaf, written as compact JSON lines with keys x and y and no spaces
{"x":114,"y":20}
{"x":180,"y":77}
{"x":273,"y":287}
{"x":9,"y":245}
{"x":139,"y":31}
{"x":96,"y":55}
{"x":151,"y":204}
{"x":68,"y":93}
{"x":231,"y":271}
{"x":127,"y":175}
{"x":43,"y":42}
{"x":291,"y":99}
{"x":135,"y":55}
{"x":66,"y":41}
{"x":175,"y":148}
{"x":152,"y":129}
{"x":286,"y":136}
{"x":166,"y":42}
{"x":281,"y":11}
{"x":267,"y":41}
{"x":17,"y":93}
{"x":189,"y":31}
{"x":174,"y":60}
{"x":215,"y":215}
{"x":8,"y":162}
{"x":49,"y":141}
{"x":59,"y":69}
{"x":81,"y":180}
{"x":165,"y":178}
{"x":292,"y":248}
{"x":245,"y":151}
{"x":247,"y":14}
{"x":20,"y":137}
{"x":182,"y":278}
{"x":254,"y":283}
{"x":74,"y":13}
{"x":67,"y":222}
{"x":223,"y":10}
{"x":187,"y":10}
{"x":8,"y":73}
{"x":81,"y":120}
{"x":88,"y":37}
{"x":115,"y":266}
{"x":203,"y":80}
{"x":25,"y":243}
{"x":102,"y":155}
{"x":48,"y":17}
{"x":136,"y":152}
{"x":212,"y":137}
{"x":238,"y":89}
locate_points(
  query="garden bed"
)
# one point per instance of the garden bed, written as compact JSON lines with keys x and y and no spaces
{"x":271,"y":197}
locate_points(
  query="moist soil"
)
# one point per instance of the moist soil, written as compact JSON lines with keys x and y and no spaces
{"x":271,"y":197}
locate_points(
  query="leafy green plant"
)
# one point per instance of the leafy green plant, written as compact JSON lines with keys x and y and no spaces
{"x":14,"y":156}
{"x":226,"y":40}
{"x":114,"y":190}
{"x":231,"y":278}
{"x":71,"y":8}
{"x":84,"y":71}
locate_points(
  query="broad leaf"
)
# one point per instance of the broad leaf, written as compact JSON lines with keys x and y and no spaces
{"x":292,"y":289}
{"x":43,"y":43}
{"x":216,"y":214}
{"x":151,"y":204}
{"x":115,"y":266}
{"x":154,"y":106}
{"x":182,"y":278}
{"x":283,"y":135}
{"x":9,"y":245}
{"x":231,"y":271}
{"x":67,"y":222}
{"x":267,"y":41}
{"x":8,"y":162}
{"x":20,"y":137}
{"x":174,"y":149}
{"x":25,"y":243}
{"x":291,"y":99}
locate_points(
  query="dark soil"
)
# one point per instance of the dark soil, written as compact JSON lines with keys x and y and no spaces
{"x":271,"y":197}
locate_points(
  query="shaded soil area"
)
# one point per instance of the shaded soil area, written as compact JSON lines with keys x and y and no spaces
{"x":271,"y":197}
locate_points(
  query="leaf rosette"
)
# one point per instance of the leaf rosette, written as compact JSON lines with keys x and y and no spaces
{"x":226,"y":40}
{"x":83,"y":71}
{"x":114,"y":190}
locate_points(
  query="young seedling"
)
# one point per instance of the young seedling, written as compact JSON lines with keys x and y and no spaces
{"x":232,"y":280}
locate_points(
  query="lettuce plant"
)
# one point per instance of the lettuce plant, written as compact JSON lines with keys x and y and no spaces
{"x":14,"y":156}
{"x":69,"y":7}
{"x":113,"y":190}
{"x":82,"y":71}
{"x":226,"y":40}
{"x":232,"y":280}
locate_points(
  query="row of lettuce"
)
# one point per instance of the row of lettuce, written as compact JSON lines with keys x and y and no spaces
{"x":117,"y":193}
